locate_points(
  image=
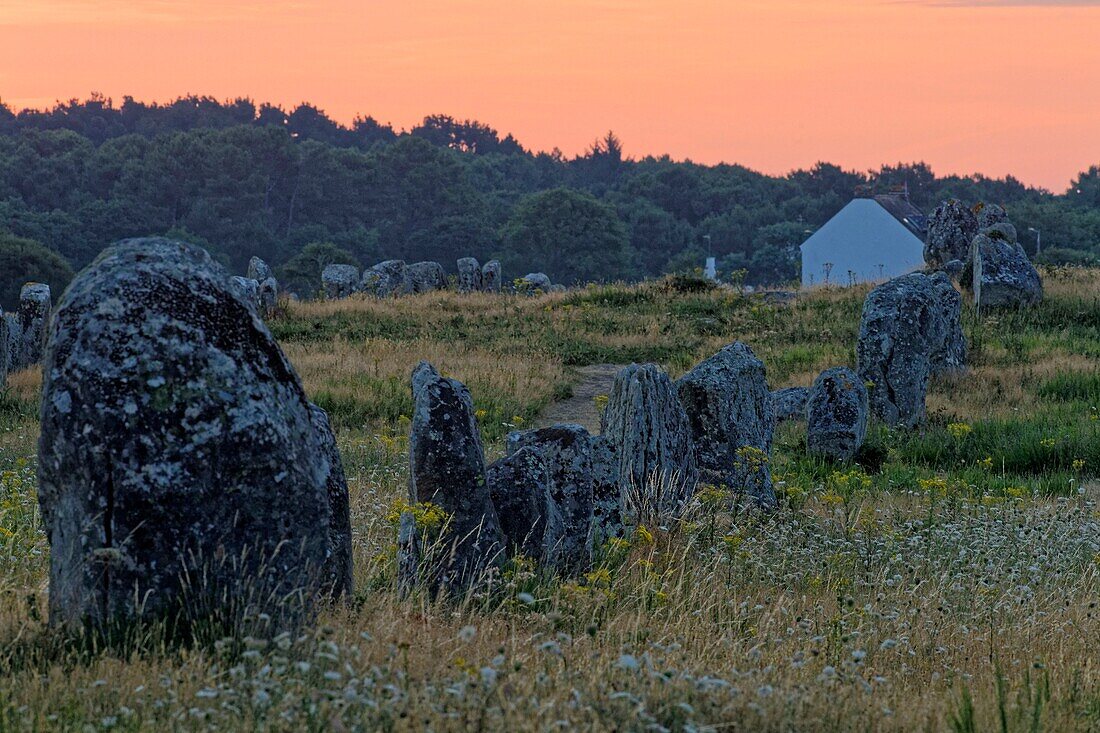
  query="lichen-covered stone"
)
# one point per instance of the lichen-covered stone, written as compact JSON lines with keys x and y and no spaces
{"x":837,"y":412}
{"x":609,"y":517}
{"x":339,"y":281}
{"x":1002,"y":276}
{"x":14,"y":341}
{"x":179,"y":469}
{"x":950,"y":355}
{"x":34,"y":318}
{"x":247,"y":290}
{"x":469,"y":275}
{"x":790,"y":403}
{"x":269,"y":297}
{"x":901,"y":332}
{"x":424,"y":277}
{"x":386,"y":279}
{"x":732,"y":418}
{"x":649,"y":431}
{"x":534,"y":282}
{"x":519,"y":485}
{"x":338,"y":568}
{"x":567,"y":449}
{"x":447,"y":468}
{"x":258,"y":270}
{"x":950,"y":229}
{"x":490,"y":276}
{"x":408,"y":554}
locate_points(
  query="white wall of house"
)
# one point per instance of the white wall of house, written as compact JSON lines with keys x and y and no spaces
{"x":862,"y":243}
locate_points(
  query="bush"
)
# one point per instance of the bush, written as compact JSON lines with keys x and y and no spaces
{"x":25,"y":260}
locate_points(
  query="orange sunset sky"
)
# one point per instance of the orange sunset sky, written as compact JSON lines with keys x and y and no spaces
{"x":1005,"y":87}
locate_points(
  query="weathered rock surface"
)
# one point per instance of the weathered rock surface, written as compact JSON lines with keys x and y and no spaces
{"x":258,"y":270}
{"x":836,"y":414}
{"x":269,"y":296}
{"x":34,"y":318}
{"x":179,"y":469}
{"x":447,"y":468}
{"x":490,"y":276}
{"x":408,"y":554}
{"x":339,"y":281}
{"x":424,"y":277}
{"x":386,"y":279}
{"x":990,"y":215}
{"x":950,"y":229}
{"x":732,"y":418}
{"x":567,"y":449}
{"x":648,"y":429}
{"x":14,"y":336}
{"x":950,"y":356}
{"x":1002,"y":275}
{"x":5,"y":354}
{"x":247,"y":290}
{"x":469,"y":275}
{"x":535,"y":281}
{"x":337,"y":574}
{"x":609,"y":510}
{"x":519,"y":485}
{"x":900,"y":334}
{"x":790,"y":403}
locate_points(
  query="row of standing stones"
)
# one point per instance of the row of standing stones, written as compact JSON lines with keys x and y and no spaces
{"x":23,"y":333}
{"x":394,"y":277}
{"x":183,"y":471}
{"x":979,"y":247}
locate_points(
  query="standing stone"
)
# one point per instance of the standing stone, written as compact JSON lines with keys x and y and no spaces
{"x":447,"y":468}
{"x":5,"y":355}
{"x":15,"y":341}
{"x":567,"y":449}
{"x":519,"y":485}
{"x":836,"y":414}
{"x":247,"y":290}
{"x":900,"y":334}
{"x":608,"y":510}
{"x":469,"y":275}
{"x":337,"y":575}
{"x":34,"y":318}
{"x":339,"y":281}
{"x":490,"y":276}
{"x":790,"y":403}
{"x":950,"y":229}
{"x":179,"y":469}
{"x":649,"y":432}
{"x":424,"y":277}
{"x":1002,"y":275}
{"x":269,"y":297}
{"x":258,"y":270}
{"x":732,"y":418}
{"x":535,"y":282}
{"x":950,"y":356}
{"x":386,"y":279}
{"x":408,"y":554}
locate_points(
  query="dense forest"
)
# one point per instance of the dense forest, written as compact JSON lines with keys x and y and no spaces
{"x":299,"y":190}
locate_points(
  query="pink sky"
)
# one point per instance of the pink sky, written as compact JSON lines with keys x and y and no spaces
{"x":1006,"y":87}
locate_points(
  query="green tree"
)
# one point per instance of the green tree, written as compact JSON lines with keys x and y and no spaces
{"x":302,"y":273}
{"x":25,"y":260}
{"x":571,"y":236}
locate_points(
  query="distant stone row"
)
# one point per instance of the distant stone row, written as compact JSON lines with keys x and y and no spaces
{"x":393,"y":278}
{"x":979,"y":247}
{"x":258,"y":288}
{"x":23,"y":333}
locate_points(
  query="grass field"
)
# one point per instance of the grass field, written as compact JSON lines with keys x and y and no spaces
{"x":947,"y":581}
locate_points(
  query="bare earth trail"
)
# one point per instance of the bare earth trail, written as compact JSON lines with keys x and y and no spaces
{"x":592,"y":381}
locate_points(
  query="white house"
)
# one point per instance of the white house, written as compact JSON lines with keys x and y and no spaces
{"x":870,"y":239}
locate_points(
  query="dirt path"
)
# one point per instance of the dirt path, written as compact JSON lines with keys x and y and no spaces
{"x":592,"y":381}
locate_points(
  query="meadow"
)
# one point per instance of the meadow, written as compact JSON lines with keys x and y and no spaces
{"x":948,"y":579}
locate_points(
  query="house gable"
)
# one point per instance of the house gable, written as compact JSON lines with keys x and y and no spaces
{"x":862,"y":243}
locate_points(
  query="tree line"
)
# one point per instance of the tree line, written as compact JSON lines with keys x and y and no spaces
{"x":297,"y":188}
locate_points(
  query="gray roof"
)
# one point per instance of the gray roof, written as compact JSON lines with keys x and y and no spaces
{"x":901,"y":209}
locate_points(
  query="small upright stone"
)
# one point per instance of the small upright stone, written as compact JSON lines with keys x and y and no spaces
{"x":519,"y":485}
{"x":469,"y":275}
{"x":408,"y":554}
{"x":340,"y":281}
{"x":337,"y":573}
{"x":386,"y":279}
{"x":5,"y":355}
{"x":34,"y":318}
{"x":836,"y":414}
{"x":424,"y":277}
{"x":732,"y":418}
{"x":950,"y":229}
{"x":951,"y":354}
{"x":1002,"y":275}
{"x":179,"y":468}
{"x":269,"y":297}
{"x":790,"y":403}
{"x":258,"y":270}
{"x":447,"y":468}
{"x":247,"y":290}
{"x":649,"y":431}
{"x":490,"y":276}
{"x":535,"y":282}
{"x":14,"y":333}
